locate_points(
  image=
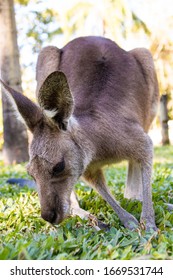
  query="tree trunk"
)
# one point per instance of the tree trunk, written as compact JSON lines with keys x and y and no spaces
{"x":15,"y":148}
{"x":164,"y":119}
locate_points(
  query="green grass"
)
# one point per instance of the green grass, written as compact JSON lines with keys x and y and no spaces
{"x":24,"y":235}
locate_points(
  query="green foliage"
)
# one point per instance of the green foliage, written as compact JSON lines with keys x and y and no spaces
{"x":24,"y":235}
{"x":140,"y":24}
{"x":44,"y":25}
{"x":22,"y":2}
{"x":41,"y":29}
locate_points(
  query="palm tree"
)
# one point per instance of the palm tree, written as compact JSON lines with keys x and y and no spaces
{"x":162,"y":50}
{"x":15,"y":135}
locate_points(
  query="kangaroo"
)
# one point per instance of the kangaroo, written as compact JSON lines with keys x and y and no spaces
{"x":96,"y":104}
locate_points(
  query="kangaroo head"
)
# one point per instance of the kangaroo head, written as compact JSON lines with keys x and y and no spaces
{"x":56,"y":160}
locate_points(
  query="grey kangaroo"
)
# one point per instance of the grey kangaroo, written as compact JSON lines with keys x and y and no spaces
{"x":96,"y":104}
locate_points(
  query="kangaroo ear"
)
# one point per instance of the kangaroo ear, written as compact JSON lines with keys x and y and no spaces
{"x":55,"y":98}
{"x":28,"y":110}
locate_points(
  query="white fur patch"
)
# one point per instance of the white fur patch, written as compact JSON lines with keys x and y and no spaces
{"x":72,"y":122}
{"x":51,"y":113}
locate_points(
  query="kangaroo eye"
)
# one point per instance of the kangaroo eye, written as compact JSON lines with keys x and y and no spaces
{"x":58,"y":168}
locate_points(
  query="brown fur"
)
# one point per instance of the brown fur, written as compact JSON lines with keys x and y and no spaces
{"x":100,"y":115}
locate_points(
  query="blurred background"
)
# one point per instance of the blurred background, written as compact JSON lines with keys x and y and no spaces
{"x":28,"y":25}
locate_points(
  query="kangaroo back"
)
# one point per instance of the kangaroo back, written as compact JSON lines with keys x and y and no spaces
{"x":101,"y":75}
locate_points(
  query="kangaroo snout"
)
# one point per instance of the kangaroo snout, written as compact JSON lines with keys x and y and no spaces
{"x":53,"y":216}
{"x":50,"y":216}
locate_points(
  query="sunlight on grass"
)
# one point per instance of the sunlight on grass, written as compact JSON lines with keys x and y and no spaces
{"x":163,"y":154}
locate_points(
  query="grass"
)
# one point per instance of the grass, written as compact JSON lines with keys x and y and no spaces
{"x":24,"y":235}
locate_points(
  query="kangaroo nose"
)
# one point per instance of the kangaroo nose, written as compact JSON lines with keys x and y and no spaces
{"x":49,"y":216}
